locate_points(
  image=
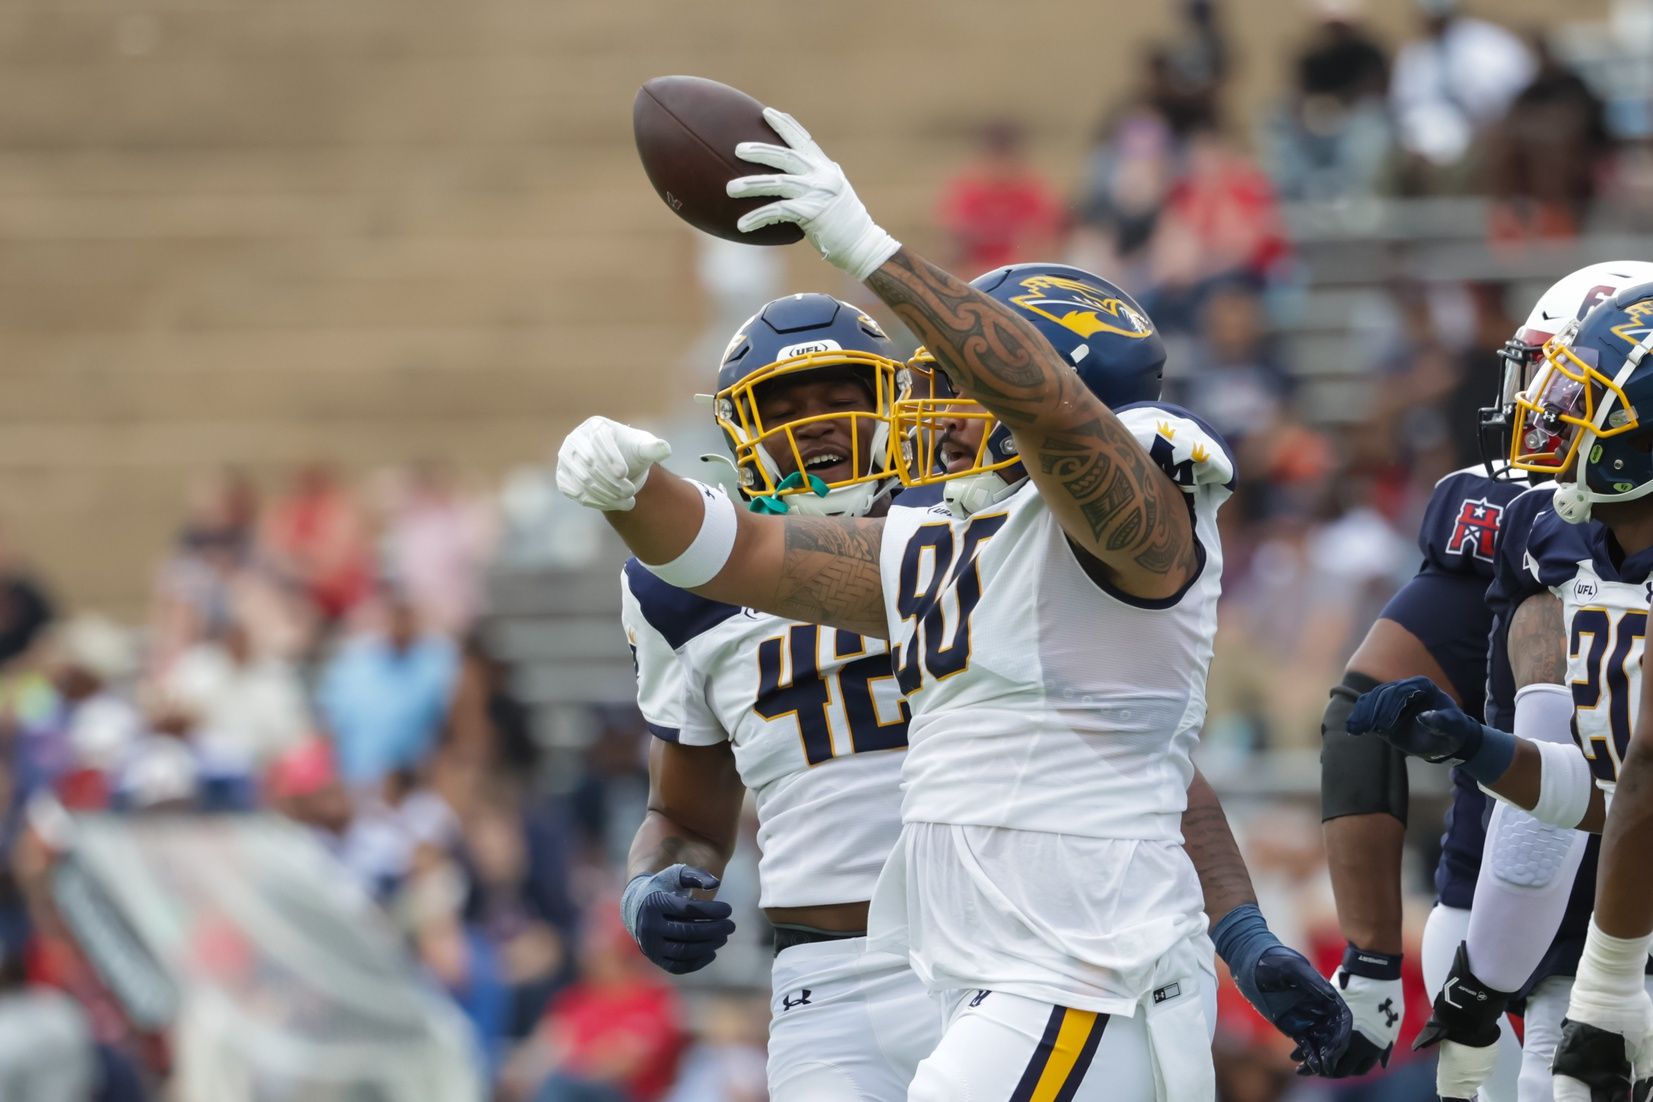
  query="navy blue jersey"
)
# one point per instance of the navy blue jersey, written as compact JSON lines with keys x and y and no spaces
{"x":1445,"y":606}
{"x":1539,"y":550}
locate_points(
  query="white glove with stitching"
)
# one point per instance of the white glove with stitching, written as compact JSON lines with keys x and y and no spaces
{"x":602,"y":463}
{"x":814,"y":193}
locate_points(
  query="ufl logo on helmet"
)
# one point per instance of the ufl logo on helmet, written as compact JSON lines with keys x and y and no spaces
{"x":1084,"y":309}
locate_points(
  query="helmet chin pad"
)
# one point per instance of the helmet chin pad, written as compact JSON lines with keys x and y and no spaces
{"x":844,"y":501}
{"x":969,"y":494}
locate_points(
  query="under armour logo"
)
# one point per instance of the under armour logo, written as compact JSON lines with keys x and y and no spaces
{"x":980,"y":995}
{"x":787,"y":1002}
{"x":1453,"y":986}
{"x":1387,"y":1009}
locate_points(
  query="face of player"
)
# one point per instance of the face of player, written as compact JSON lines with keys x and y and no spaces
{"x":832,"y":449}
{"x":960,"y":441}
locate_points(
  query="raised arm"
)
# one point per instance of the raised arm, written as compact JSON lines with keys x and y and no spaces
{"x":822,"y":570}
{"x":1112,"y":502}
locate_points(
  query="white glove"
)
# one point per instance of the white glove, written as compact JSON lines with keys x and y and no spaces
{"x":602,"y":463}
{"x":1377,"y":1007}
{"x":1609,"y":1020}
{"x":815,"y":194}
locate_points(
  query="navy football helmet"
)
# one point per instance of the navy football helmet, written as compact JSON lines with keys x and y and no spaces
{"x":1579,"y":419}
{"x":1569,"y":298}
{"x":1095,"y":326}
{"x":791,"y":336}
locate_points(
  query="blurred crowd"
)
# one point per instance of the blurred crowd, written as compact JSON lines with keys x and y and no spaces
{"x":314,"y":651}
{"x":314,"y":654}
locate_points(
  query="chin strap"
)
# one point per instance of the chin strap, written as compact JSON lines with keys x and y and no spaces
{"x":775,"y":504}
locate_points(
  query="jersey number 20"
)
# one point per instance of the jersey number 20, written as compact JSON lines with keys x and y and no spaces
{"x":940,"y":645}
{"x":1616,"y":643}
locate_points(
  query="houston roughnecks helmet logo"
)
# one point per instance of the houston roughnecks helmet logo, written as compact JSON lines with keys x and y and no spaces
{"x":1476,"y":528}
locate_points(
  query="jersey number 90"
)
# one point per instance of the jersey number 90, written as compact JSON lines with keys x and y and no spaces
{"x":940,"y":645}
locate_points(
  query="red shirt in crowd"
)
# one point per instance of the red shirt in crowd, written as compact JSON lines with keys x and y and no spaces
{"x":996,"y":220}
{"x":628,"y":1024}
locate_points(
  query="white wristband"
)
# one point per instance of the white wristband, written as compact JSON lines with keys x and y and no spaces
{"x":709,"y":551}
{"x":1565,"y":787}
{"x":1610,"y":966}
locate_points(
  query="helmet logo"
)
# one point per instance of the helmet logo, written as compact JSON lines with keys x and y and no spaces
{"x":1639,"y":322}
{"x":871,"y":326}
{"x":823,"y":344}
{"x":1082,"y":308}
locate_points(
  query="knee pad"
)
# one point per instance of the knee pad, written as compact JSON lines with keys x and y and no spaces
{"x":1359,"y":775}
{"x":1526,"y":853}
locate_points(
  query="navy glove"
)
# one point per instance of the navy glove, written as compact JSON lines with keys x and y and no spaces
{"x":1394,"y":710}
{"x":1418,"y":718}
{"x":674,"y":930}
{"x":1285,"y":989}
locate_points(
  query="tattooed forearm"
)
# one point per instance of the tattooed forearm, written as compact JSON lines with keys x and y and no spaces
{"x":1111,"y":500}
{"x":990,"y":354}
{"x":829,"y":574}
{"x":1211,"y":846}
{"x":1538,"y":642}
{"x":1130,"y":507}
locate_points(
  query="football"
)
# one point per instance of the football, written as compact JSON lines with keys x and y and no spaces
{"x":686,"y":130}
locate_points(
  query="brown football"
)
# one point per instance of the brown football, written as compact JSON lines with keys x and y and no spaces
{"x":686,"y":130}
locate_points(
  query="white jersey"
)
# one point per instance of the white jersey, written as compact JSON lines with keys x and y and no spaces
{"x":1604,"y":602}
{"x":813,"y":716}
{"x":1082,"y":705}
{"x":1041,"y":848}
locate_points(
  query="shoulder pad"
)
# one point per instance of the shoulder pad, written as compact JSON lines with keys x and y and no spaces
{"x":1465,"y":520}
{"x":676,"y":614}
{"x":1189,"y":450}
{"x":917,"y":497}
{"x":1554,"y":548}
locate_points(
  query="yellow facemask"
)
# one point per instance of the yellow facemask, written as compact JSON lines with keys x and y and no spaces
{"x":1563,"y":401}
{"x":759,"y":448}
{"x":927,"y":407}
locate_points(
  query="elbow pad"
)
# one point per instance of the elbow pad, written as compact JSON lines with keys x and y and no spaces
{"x":1359,"y":775}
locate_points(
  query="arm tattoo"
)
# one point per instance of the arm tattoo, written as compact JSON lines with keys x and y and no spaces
{"x":990,"y":354}
{"x":829,"y":574}
{"x":1112,"y":501}
{"x":1537,"y":643}
{"x":1210,"y":843}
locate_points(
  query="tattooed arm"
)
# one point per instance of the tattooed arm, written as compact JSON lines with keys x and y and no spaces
{"x":822,"y":570}
{"x":1210,"y":843}
{"x":1538,"y":656}
{"x":1538,"y":642}
{"x":1111,"y":500}
{"x":695,"y":796}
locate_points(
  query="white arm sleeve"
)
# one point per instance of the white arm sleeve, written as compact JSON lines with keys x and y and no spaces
{"x":669,"y":698}
{"x":1527,"y":866}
